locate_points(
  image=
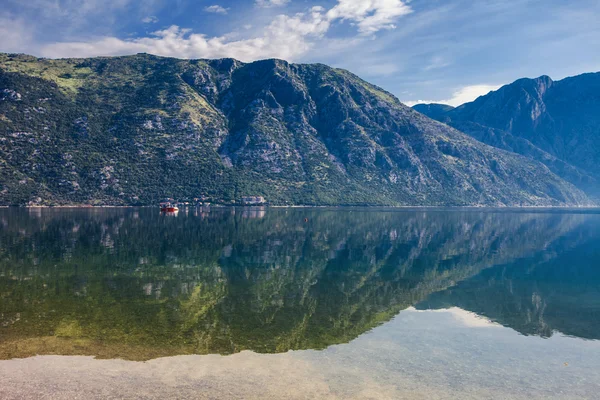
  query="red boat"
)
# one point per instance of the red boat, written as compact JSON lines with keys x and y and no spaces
{"x":168,"y":207}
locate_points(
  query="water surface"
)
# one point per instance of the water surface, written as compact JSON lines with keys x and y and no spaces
{"x":299,"y":303}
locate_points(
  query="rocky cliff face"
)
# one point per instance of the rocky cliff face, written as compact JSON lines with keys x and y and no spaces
{"x":556,"y":123}
{"x":130,"y":130}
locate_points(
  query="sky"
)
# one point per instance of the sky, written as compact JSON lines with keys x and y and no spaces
{"x":445,"y":51}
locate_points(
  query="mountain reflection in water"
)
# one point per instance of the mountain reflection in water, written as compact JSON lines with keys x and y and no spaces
{"x":134,"y":284}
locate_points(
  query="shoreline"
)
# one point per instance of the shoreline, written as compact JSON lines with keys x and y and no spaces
{"x":340,"y":207}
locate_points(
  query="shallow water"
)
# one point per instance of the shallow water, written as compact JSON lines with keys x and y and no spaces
{"x":299,"y":303}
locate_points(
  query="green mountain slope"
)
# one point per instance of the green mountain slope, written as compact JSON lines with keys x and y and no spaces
{"x":135,"y":129}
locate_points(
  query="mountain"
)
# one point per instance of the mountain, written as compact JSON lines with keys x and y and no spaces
{"x":135,"y":129}
{"x":433,"y":110}
{"x":553,"y":122}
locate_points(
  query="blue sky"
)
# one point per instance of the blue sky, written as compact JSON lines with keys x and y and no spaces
{"x":447,"y":51}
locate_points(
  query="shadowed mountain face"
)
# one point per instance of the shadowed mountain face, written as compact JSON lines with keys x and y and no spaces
{"x":132,"y":130}
{"x":121,"y":283}
{"x":556,"y":123}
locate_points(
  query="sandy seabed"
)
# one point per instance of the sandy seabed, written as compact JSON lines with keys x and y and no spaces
{"x":447,"y":354}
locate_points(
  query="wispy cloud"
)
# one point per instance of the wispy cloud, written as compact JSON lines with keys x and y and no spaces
{"x":150,"y":20}
{"x":270,"y":3}
{"x":437,"y":62}
{"x":217,"y":9}
{"x":461,"y":96}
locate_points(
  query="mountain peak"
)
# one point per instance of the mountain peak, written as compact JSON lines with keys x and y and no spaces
{"x":536,"y":87}
{"x":555,"y":122}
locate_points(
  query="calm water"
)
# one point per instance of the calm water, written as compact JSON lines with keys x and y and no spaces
{"x":299,"y":303}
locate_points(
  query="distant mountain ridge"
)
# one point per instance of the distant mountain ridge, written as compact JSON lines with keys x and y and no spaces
{"x":135,"y":129}
{"x":554,"y":122}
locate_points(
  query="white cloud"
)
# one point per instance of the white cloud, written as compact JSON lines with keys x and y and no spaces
{"x":370,"y":16}
{"x":270,"y":3}
{"x":459,"y":97}
{"x":150,"y":20}
{"x":470,"y":93}
{"x":286,"y":37}
{"x":217,"y":9}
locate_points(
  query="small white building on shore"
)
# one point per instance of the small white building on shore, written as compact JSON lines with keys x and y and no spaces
{"x":253,"y":200}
